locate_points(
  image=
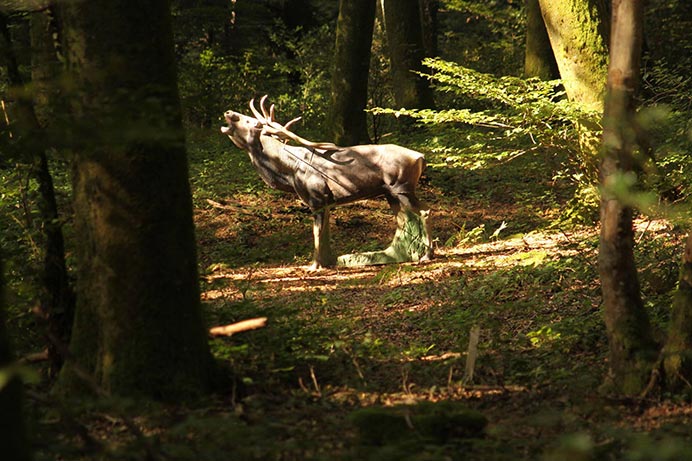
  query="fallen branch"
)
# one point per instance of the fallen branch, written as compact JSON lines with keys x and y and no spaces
{"x":34,"y":357}
{"x":221,"y":206}
{"x":233,"y":328}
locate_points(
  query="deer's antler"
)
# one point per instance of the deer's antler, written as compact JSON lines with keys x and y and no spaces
{"x":274,"y":128}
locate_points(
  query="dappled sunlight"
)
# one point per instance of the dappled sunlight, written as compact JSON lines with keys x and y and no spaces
{"x":513,"y":250}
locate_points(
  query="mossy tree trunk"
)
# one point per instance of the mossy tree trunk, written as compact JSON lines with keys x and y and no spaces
{"x":577,"y":32}
{"x":539,"y":60}
{"x":138,"y":327}
{"x":350,"y":73}
{"x":13,"y":440}
{"x":402,"y":22}
{"x":631,"y":346}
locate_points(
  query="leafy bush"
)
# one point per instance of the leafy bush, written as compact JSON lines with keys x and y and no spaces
{"x":499,"y":118}
{"x":291,"y":67}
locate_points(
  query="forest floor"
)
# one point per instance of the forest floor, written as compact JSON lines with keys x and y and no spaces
{"x":372,"y":363}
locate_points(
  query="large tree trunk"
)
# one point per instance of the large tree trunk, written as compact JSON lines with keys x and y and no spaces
{"x":539,"y":60}
{"x":402,"y":22}
{"x":138,"y":328}
{"x":677,"y":352}
{"x":350,"y":73}
{"x":12,"y":434}
{"x":577,"y":32}
{"x":632,"y":349}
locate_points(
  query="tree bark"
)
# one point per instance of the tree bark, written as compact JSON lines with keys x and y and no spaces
{"x":430,"y":25}
{"x":631,"y":346}
{"x":46,"y":68}
{"x":138,"y":328}
{"x":539,"y":60}
{"x":350,"y":74}
{"x":12,"y":432}
{"x":402,"y":22}
{"x":577,"y":31}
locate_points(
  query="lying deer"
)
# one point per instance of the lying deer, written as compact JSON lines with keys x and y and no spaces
{"x":324,"y":174}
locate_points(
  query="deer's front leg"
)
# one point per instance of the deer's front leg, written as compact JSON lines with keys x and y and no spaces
{"x":323,"y":251}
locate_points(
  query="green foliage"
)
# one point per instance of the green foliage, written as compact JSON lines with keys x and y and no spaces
{"x":464,"y":236}
{"x":487,"y":36}
{"x":669,"y":131}
{"x":291,"y":66}
{"x":10,"y":372}
{"x":305,"y":67}
{"x":20,"y":245}
{"x":211,"y":83}
{"x":502,"y":118}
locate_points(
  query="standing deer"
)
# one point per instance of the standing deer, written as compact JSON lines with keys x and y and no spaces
{"x":324,"y":175}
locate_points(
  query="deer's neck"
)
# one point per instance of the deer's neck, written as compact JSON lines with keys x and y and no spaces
{"x":275,"y":165}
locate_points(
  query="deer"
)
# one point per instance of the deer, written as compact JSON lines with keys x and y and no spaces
{"x":324,"y":175}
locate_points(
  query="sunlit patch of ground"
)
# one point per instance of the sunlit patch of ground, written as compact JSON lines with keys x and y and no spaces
{"x":390,"y":335}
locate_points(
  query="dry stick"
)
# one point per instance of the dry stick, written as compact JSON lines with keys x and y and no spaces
{"x":355,"y":363}
{"x":34,"y":357}
{"x":237,"y":209}
{"x":471,"y":355}
{"x":7,"y":118}
{"x":641,"y":236}
{"x":233,"y":328}
{"x":314,"y":381}
{"x":654,"y":379}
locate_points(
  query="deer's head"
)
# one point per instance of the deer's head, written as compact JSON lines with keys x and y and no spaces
{"x":241,"y":129}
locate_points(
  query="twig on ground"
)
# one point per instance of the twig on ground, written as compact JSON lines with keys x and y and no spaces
{"x":244,"y":325}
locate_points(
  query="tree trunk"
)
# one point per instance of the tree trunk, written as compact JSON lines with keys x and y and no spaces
{"x":46,"y":67}
{"x":57,"y":297}
{"x":12,"y":433}
{"x":402,"y":22}
{"x":677,"y":353}
{"x":631,"y":346}
{"x":350,"y":74}
{"x":429,"y":22}
{"x":539,"y":60}
{"x":577,"y":32}
{"x":138,"y":328}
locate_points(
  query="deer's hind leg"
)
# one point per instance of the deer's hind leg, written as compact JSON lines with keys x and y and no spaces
{"x":412,"y":238}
